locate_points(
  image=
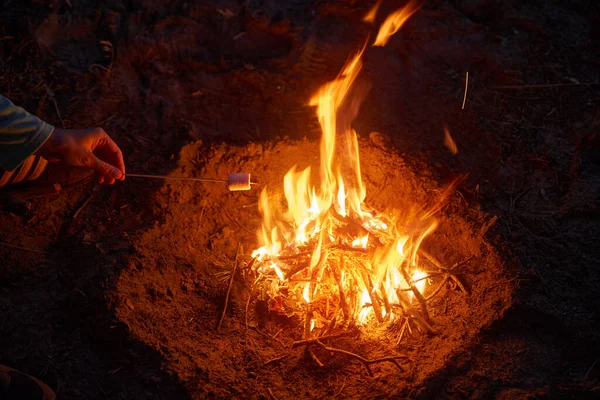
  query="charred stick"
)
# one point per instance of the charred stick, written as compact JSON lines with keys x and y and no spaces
{"x":366,"y":362}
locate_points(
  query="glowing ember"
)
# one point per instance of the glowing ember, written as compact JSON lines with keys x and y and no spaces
{"x":327,"y":255}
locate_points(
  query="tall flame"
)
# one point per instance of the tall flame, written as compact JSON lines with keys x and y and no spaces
{"x":394,"y":22}
{"x":316,"y":214}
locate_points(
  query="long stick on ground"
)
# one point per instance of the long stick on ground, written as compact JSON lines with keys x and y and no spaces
{"x":367,"y":363}
{"x":235,"y":264}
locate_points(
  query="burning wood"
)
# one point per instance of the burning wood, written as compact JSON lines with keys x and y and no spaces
{"x":327,"y":257}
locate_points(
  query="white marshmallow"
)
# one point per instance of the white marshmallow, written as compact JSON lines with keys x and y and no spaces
{"x":238,"y":182}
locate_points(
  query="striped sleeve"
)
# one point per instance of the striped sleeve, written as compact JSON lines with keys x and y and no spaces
{"x":21,"y":134}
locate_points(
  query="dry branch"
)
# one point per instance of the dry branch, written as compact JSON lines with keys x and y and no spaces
{"x":366,"y":362}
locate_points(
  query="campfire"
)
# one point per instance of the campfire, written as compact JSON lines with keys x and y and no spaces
{"x":328,"y":258}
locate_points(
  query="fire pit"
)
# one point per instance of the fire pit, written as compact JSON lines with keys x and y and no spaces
{"x":173,"y":294}
{"x":366,"y":270}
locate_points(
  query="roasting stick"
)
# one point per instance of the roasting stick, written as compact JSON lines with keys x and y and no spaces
{"x":235,"y":182}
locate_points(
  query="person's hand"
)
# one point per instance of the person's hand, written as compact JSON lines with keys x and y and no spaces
{"x":91,"y":148}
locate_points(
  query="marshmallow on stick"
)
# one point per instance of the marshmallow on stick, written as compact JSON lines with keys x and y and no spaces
{"x":237,"y":182}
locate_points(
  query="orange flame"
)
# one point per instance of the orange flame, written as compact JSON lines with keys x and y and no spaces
{"x":315,"y":214}
{"x":370,"y":16}
{"x":394,"y":22}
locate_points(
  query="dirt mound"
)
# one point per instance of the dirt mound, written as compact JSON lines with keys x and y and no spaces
{"x":172,"y":294}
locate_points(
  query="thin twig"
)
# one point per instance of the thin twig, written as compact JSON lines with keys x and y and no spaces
{"x":459,"y":283}
{"x":466,"y":87}
{"x":288,"y":258}
{"x":246,"y":314}
{"x":438,"y":288}
{"x":402,"y":332}
{"x":85,"y":203}
{"x":314,"y":357}
{"x":461,"y":263}
{"x":274,"y":360}
{"x":62,"y":122}
{"x":418,"y":295}
{"x":589,"y":370}
{"x":422,"y":323}
{"x":235,"y":264}
{"x":271,"y":394}
{"x":340,"y":391}
{"x":432,"y":260}
{"x":366,"y":362}
{"x":100,"y":388}
{"x":248,"y":302}
{"x":237,"y":223}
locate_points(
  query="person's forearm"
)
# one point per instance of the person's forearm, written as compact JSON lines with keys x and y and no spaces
{"x":21,"y":134}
